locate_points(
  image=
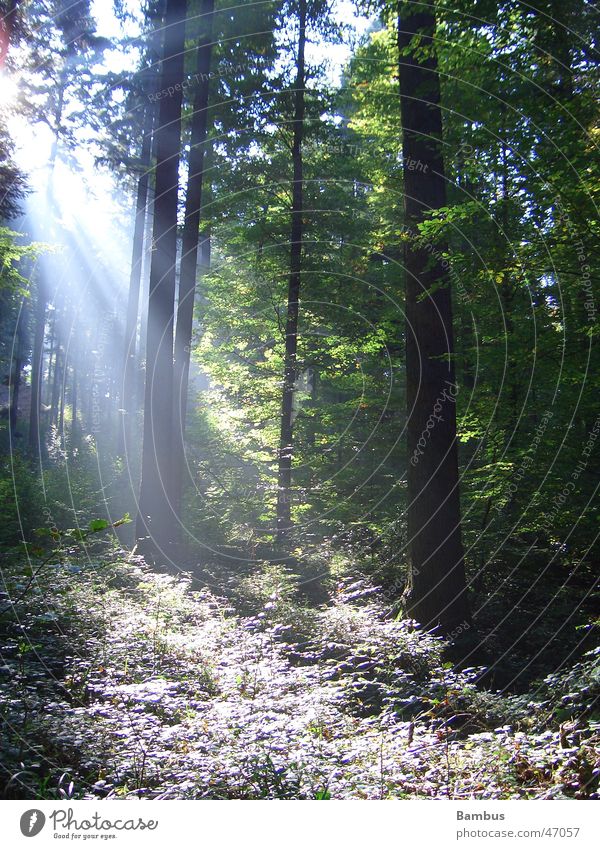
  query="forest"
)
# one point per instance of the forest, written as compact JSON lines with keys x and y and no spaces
{"x":299,"y":427}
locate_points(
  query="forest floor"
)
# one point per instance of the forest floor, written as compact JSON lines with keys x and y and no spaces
{"x":119,"y":682}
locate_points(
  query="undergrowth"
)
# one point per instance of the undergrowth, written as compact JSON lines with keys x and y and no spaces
{"x":119,"y":682}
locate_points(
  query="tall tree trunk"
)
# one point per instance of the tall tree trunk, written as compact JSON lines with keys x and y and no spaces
{"x":15,"y":385}
{"x":18,"y":356}
{"x":74,"y":411}
{"x":145,"y":286}
{"x":128,"y":406}
{"x":436,"y":596}
{"x":507,"y":289}
{"x":155,"y":525}
{"x":63,"y":400}
{"x":56,"y":377}
{"x":189,"y":250}
{"x":36,"y":435}
{"x":284,"y":481}
{"x":146,"y":266}
{"x":37,"y":362}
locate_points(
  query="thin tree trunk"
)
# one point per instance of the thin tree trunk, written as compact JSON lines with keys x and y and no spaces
{"x":36,"y":369}
{"x":61,"y":409}
{"x":145,"y":288}
{"x":133,"y":301}
{"x":155,"y":526}
{"x":15,"y":375}
{"x":145,"y":282}
{"x":56,"y":378}
{"x":36,"y":436}
{"x":74,"y":412}
{"x":189,"y":250}
{"x":436,"y":596}
{"x":284,"y":480}
{"x":15,"y":385}
{"x":507,"y":291}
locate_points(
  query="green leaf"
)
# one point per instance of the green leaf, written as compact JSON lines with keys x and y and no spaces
{"x":98,"y":525}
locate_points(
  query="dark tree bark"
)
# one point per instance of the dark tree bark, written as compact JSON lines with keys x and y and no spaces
{"x":436,"y":596}
{"x":189,"y":250}
{"x":155,"y":525}
{"x":128,"y":405}
{"x":284,"y":480}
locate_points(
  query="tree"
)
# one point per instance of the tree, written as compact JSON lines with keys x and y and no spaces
{"x":13,"y":184}
{"x":189,"y":248}
{"x":284,"y":478}
{"x":61,"y":48}
{"x":128,"y":404}
{"x":437,"y":594}
{"x":155,"y":525}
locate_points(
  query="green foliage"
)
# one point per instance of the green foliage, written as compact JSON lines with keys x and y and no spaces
{"x":12,"y":253}
{"x":66,"y":493}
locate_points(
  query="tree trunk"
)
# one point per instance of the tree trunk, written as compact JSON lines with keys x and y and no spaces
{"x":19,"y":357}
{"x":189,"y":251}
{"x":436,"y":596}
{"x":61,"y":410}
{"x":15,"y":385}
{"x":36,"y":369}
{"x":145,"y":287}
{"x":74,"y":411}
{"x":284,"y":481}
{"x":155,"y":526}
{"x":36,"y":436}
{"x":129,"y":358}
{"x":56,"y":376}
